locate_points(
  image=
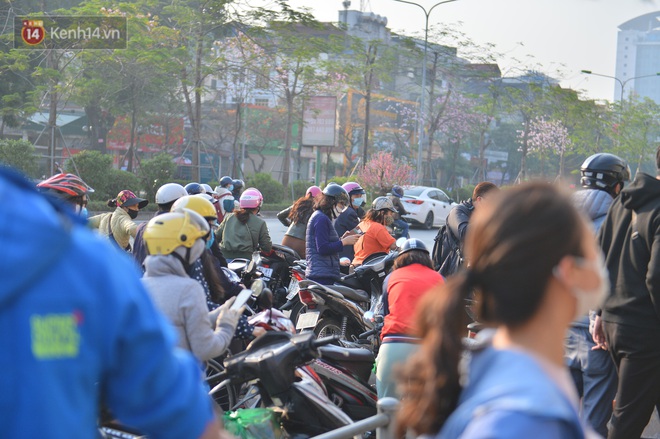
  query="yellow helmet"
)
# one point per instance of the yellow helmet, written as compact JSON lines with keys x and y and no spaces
{"x":197,"y":204}
{"x":168,"y":231}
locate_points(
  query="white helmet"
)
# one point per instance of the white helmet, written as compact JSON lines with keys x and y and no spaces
{"x":208,"y":190}
{"x":170,"y":192}
{"x":207,"y":197}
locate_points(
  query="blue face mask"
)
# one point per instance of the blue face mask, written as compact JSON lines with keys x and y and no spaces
{"x":230,"y":187}
{"x":209,"y":243}
{"x":83,"y":212}
{"x":357,"y":202}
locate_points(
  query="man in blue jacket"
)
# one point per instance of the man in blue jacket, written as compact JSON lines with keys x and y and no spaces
{"x":78,"y":328}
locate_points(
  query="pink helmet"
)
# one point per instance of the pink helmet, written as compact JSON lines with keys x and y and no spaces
{"x":353,"y":188}
{"x":314,"y":190}
{"x":251,"y":199}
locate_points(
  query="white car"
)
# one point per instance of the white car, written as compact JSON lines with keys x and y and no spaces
{"x":427,"y":206}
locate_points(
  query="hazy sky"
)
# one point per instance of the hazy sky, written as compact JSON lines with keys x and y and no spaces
{"x":578,"y":34}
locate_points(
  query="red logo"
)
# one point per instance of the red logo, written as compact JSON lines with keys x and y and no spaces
{"x":33,"y":32}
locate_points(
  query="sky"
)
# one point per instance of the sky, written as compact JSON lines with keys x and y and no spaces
{"x":570,"y":35}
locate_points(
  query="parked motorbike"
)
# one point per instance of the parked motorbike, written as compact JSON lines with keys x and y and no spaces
{"x":272,"y":362}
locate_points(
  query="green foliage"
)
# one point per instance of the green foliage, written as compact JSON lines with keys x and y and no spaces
{"x":155,"y":172}
{"x":271,"y":189}
{"x":120,"y":180}
{"x":19,"y":154}
{"x":95,"y":169}
{"x":341,"y":180}
{"x":299,"y":188}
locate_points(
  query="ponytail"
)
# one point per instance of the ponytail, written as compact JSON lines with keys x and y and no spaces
{"x":430,"y":381}
{"x":112,"y":203}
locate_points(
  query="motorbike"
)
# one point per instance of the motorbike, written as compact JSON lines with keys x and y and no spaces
{"x":272,"y":363}
{"x":339,"y":309}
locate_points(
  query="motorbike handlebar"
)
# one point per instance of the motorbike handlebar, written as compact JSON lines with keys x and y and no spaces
{"x":367,"y":334}
{"x":325,"y":340}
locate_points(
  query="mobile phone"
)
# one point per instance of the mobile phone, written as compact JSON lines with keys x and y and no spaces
{"x":241,"y":299}
{"x":357,"y":231}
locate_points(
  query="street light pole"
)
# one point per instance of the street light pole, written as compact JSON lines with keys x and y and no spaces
{"x":621,"y":83}
{"x":420,"y":122}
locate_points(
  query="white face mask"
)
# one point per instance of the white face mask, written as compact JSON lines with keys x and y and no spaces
{"x":338,"y":210}
{"x":592,"y":299}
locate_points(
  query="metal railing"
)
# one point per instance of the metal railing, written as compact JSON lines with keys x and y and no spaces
{"x":383,"y":423}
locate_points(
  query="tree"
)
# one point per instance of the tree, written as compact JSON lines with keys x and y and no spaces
{"x":95,"y":169}
{"x":384,"y":171}
{"x":637,"y":130}
{"x":155,"y":172}
{"x":20,"y":155}
{"x":547,"y":137}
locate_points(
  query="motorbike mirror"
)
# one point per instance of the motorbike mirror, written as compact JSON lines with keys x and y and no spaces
{"x":265,"y":300}
{"x":400,"y":241}
{"x":256,"y":258}
{"x":257,"y":287}
{"x":368,"y":317}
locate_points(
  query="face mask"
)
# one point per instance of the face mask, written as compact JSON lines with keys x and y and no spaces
{"x":209,"y":243}
{"x":357,"y":202}
{"x":132,"y":213}
{"x":389,"y":220}
{"x":592,"y":299}
{"x":337,"y":210}
{"x":83,"y":212}
{"x":230,"y":187}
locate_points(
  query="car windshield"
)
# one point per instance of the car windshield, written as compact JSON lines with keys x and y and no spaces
{"x":414,"y":191}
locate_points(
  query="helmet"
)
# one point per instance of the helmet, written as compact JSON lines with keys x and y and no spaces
{"x":397,"y":191}
{"x":382,"y":203}
{"x":127,"y":198}
{"x":337,"y":192}
{"x":413,"y":244}
{"x":65,"y":186}
{"x":604,"y":171}
{"x":170,"y":192}
{"x":238,"y":184}
{"x":197,"y":204}
{"x":226,"y":181}
{"x":194,"y":188}
{"x":314,"y":190}
{"x":250,"y":199}
{"x":207,"y":189}
{"x":207,"y":197}
{"x":353,"y":188}
{"x":166,"y":232}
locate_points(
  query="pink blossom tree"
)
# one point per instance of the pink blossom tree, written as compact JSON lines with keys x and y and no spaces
{"x":383,"y":171}
{"x":546,"y":137}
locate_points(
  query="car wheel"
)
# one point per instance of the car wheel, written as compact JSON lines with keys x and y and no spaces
{"x":428,"y":222}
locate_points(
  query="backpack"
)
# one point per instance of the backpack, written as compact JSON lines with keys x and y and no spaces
{"x":446,"y":254}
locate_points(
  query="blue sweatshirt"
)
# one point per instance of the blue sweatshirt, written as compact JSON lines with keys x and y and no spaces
{"x":76,"y":324}
{"x":322,"y":248}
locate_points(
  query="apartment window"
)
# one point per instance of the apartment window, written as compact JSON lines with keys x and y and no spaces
{"x":261,"y":102}
{"x":214,"y":84}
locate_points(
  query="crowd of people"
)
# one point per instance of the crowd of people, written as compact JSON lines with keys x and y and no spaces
{"x":566,"y":285}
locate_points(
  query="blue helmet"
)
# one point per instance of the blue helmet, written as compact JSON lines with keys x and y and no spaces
{"x":397,"y":191}
{"x":226,"y":181}
{"x":194,"y":188}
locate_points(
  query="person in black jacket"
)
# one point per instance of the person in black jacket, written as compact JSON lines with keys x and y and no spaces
{"x":630,"y":321}
{"x":351,"y":216}
{"x":459,"y":215}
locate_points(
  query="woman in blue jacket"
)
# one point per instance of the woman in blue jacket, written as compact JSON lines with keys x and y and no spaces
{"x":534,"y":267}
{"x":323,"y":243}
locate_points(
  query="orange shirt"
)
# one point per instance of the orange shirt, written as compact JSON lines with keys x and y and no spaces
{"x":405,"y":288}
{"x":376,"y":239}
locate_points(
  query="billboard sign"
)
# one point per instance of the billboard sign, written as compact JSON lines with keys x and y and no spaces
{"x":319,"y":121}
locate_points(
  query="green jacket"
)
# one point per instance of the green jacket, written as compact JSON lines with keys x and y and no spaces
{"x":238,"y":240}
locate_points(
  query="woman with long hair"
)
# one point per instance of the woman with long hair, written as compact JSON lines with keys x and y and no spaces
{"x":323,"y":243}
{"x":534,"y":266}
{"x":242,"y":233}
{"x":296,"y":217}
{"x":375,"y":238}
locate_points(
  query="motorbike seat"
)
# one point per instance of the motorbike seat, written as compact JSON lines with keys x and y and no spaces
{"x":357,"y":360}
{"x":351,"y":294}
{"x":353,"y":355}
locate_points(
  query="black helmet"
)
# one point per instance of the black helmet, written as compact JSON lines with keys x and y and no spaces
{"x":604,"y":171}
{"x":238,"y":184}
{"x":226,"y":181}
{"x":397,"y":191}
{"x":412,"y":244}
{"x":337,"y":192}
{"x":194,"y":188}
